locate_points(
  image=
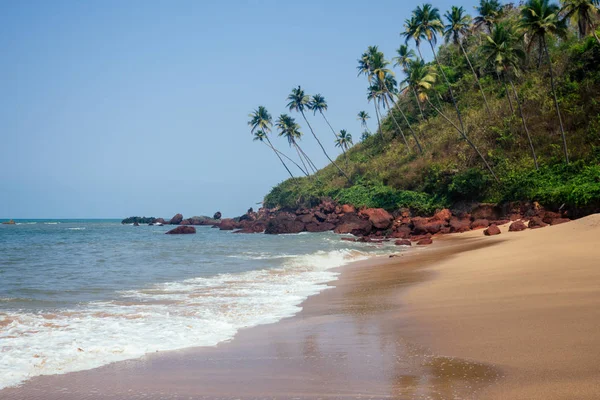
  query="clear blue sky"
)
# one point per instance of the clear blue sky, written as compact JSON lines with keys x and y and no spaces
{"x":116,"y":108}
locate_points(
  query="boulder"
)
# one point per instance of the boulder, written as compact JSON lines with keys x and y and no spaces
{"x":182,"y":230}
{"x":380,"y":218}
{"x":480,"y":223}
{"x":492,"y":230}
{"x":227,"y":224}
{"x":459,"y":225}
{"x":306,"y":218}
{"x":217,"y":215}
{"x":319,"y":227}
{"x":403,"y":242}
{"x":258,"y":226}
{"x":416,"y":238}
{"x":401,"y":232}
{"x":536,"y":222}
{"x":320,"y":216}
{"x":284,"y":223}
{"x":549,"y":216}
{"x":423,"y":226}
{"x":176,"y":220}
{"x":327,"y":206}
{"x":517,"y":226}
{"x":486,"y":211}
{"x":136,"y":224}
{"x":185,"y":222}
{"x":347,"y":208}
{"x":424,"y":242}
{"x":202,"y":220}
{"x":443,"y":215}
{"x":352,"y":223}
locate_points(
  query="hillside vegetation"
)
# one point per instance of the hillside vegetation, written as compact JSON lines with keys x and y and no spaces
{"x":515,"y":153}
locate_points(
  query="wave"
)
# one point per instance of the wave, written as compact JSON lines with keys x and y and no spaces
{"x":76,"y":229}
{"x":168,"y":316}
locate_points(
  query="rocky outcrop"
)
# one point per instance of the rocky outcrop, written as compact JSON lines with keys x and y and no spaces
{"x":284,"y":223}
{"x":319,"y":227}
{"x":354,"y":224}
{"x":228,"y":224}
{"x":492,"y":230}
{"x":403,"y":242}
{"x":217,"y":215}
{"x":182,"y":230}
{"x":347,"y":208}
{"x":536,"y":222}
{"x":176,"y":220}
{"x":380,"y":218}
{"x":517,"y":226}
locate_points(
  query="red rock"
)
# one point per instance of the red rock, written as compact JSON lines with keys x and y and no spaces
{"x":416,"y":238}
{"x":347,"y":208}
{"x":458,"y":225}
{"x":284,"y":223}
{"x":380,"y":218}
{"x":319,"y":227}
{"x":492,"y":230}
{"x":549,"y":216}
{"x":424,"y":242}
{"x":443,"y":215}
{"x":160,"y":221}
{"x":444,"y":230}
{"x":486,"y":211}
{"x":402,"y":232}
{"x":320,"y":216}
{"x":227,"y":224}
{"x":327,"y":206}
{"x":403,"y":242}
{"x":536,"y":222}
{"x":306,"y":218}
{"x":517,"y":226}
{"x":480,"y":223}
{"x":422,"y":226}
{"x":352,"y":223}
{"x":182,"y":230}
{"x":176,"y":220}
{"x":185,"y":222}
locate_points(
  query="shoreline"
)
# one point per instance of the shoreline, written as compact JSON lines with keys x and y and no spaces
{"x":371,"y":335}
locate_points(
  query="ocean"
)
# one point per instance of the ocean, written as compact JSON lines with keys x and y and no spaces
{"x":79,"y":294}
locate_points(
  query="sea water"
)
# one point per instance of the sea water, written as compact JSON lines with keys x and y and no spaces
{"x":78,"y":294}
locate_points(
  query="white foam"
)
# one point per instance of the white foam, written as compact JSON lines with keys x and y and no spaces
{"x":76,"y":229}
{"x":175,"y":315}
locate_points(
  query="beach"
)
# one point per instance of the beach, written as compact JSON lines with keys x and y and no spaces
{"x":510,"y":316}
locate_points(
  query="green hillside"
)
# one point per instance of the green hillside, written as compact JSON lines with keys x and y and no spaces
{"x":506,"y":47}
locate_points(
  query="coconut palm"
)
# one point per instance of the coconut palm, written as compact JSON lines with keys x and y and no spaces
{"x":261,"y":121}
{"x":344,"y":141}
{"x":459,"y":25}
{"x":318,"y":104}
{"x":387,"y":90}
{"x":299,"y":101}
{"x":363,"y":116}
{"x":412,"y":31}
{"x":366,"y":66}
{"x":261,"y":136}
{"x":405,"y":55}
{"x":365,"y":135}
{"x":503,"y":52}
{"x":584,"y":13}
{"x":540,"y":18}
{"x":289,"y":129}
{"x":490,"y":11}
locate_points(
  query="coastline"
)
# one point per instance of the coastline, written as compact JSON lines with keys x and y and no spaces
{"x":378,"y":334}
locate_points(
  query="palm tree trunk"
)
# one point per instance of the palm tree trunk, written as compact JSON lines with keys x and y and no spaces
{"x":334,"y":134}
{"x":503,"y":81}
{"x":323,"y":148}
{"x":300,"y":156}
{"x":525,"y":125}
{"x":467,"y":140}
{"x":292,"y":161}
{"x":378,"y":119}
{"x":418,"y":102}
{"x":419,"y":50}
{"x":487,"y":106}
{"x":401,"y":131}
{"x":562,"y":130}
{"x":278,"y":156}
{"x":409,"y":125}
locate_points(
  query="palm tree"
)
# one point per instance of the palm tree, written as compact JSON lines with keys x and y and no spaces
{"x":289,"y":129}
{"x":319,"y":104}
{"x":298,"y":101}
{"x":366,"y":65}
{"x":412,"y":30}
{"x":490,"y":11}
{"x":386,"y":88}
{"x":363,"y":116}
{"x":540,"y":18}
{"x":584,"y":13}
{"x":261,"y":120}
{"x":503,"y":52}
{"x":402,"y":60}
{"x":344,"y":141}
{"x":459,"y":25}
{"x":262,"y":135}
{"x":364,"y":136}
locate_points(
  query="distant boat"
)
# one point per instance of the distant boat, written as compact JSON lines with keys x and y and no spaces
{"x":11,"y":222}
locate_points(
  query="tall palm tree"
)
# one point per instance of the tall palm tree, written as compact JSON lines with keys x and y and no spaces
{"x":412,"y":30}
{"x":344,"y":141}
{"x":541,"y":18}
{"x":289,"y":129}
{"x":261,"y":136}
{"x":584,"y":13}
{"x":366,"y":66}
{"x":459,"y":25}
{"x":299,"y":101}
{"x":503,"y":52}
{"x":405,"y":55}
{"x":490,"y":11}
{"x":363,"y":116}
{"x":386,"y":87}
{"x":318,"y":104}
{"x":261,"y":120}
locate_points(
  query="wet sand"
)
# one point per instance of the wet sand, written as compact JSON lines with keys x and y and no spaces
{"x":512,"y":316}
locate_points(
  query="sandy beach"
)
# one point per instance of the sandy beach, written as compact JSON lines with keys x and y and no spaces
{"x":511,"y":316}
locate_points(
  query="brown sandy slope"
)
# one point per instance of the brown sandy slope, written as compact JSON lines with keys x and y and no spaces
{"x":530,"y":305}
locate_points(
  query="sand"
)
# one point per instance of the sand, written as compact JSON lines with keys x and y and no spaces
{"x":515,"y":316}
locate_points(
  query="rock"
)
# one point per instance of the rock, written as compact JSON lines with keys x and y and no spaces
{"x":306,"y":218}
{"x":302,"y":211}
{"x":492,"y":230}
{"x":416,"y":238}
{"x":536,"y":222}
{"x":136,"y":224}
{"x":182,"y":230}
{"x":185,"y":222}
{"x":480,"y":223}
{"x":423,"y":226}
{"x":217,"y":215}
{"x":403,"y":242}
{"x":347,"y":239}
{"x":11,"y":222}
{"x":549,"y":216}
{"x":517,"y":226}
{"x":558,"y":221}
{"x":327,"y":206}
{"x":486,"y":211}
{"x":458,"y":225}
{"x":352,"y":223}
{"x":319,"y":227}
{"x":227,"y":224}
{"x":443,"y":215}
{"x":424,"y":242}
{"x":320,"y":216}
{"x":380,"y":218}
{"x":284,"y":223}
{"x":176,"y":220}
{"x":202,"y":220}
{"x":347,"y":208}
{"x":402,"y":232}
{"x":160,"y":221}
{"x":258,"y":226}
